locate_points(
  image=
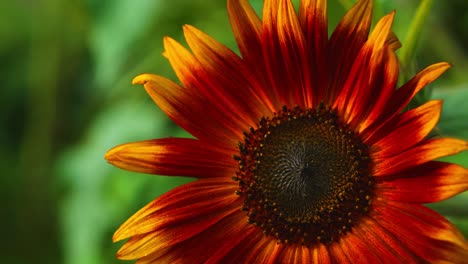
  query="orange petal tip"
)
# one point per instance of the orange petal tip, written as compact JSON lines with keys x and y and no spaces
{"x":118,"y":236}
{"x":120,"y":156}
{"x":123,"y":232}
{"x":143,"y":78}
{"x":168,"y":40}
{"x":187,"y":27}
{"x":443,"y":65}
{"x":112,"y":155}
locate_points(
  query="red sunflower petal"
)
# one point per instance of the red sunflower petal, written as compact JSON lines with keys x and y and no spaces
{"x":375,"y":72}
{"x":286,"y":54}
{"x":235,"y":252}
{"x":234,"y":84}
{"x":191,"y":111}
{"x":243,"y":250}
{"x":177,"y":216}
{"x":428,"y":183}
{"x":425,"y":233}
{"x":295,"y":53}
{"x":210,"y":244}
{"x":306,"y":255}
{"x":271,"y":253}
{"x":211,"y":89}
{"x":345,"y":44}
{"x":258,"y":250}
{"x":406,"y":130}
{"x":320,"y":254}
{"x":267,"y":250}
{"x":174,"y":157}
{"x":383,"y":243}
{"x":377,"y":99}
{"x":393,"y":42}
{"x":337,"y":254}
{"x":292,"y":254}
{"x":313,"y":20}
{"x":247,"y":28}
{"x":402,"y":96}
{"x":426,"y":151}
{"x":299,"y":256}
{"x":356,"y":250}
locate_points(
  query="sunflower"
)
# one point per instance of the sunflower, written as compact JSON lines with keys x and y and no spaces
{"x":301,"y":149}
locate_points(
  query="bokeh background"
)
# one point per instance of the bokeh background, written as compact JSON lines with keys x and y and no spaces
{"x":66,"y":98}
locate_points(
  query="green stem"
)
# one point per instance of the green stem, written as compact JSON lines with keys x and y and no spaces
{"x":414,"y":33}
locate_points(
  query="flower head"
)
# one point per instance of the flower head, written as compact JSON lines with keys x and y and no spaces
{"x":301,"y":150}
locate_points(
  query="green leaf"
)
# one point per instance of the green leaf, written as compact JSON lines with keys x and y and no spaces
{"x":118,"y":24}
{"x":454,"y":123}
{"x":99,"y":196}
{"x":454,"y":119}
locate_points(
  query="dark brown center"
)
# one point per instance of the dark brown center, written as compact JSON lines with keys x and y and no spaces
{"x":305,"y":177}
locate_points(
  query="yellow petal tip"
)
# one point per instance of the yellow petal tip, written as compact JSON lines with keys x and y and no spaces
{"x":167,"y":40}
{"x":111,"y":155}
{"x":143,"y":78}
{"x":117,"y":236}
{"x":446,"y":65}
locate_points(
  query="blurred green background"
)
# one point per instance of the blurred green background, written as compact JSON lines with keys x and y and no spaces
{"x":66,"y":98}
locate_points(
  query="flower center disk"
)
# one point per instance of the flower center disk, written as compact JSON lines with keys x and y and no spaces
{"x":305,"y":177}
